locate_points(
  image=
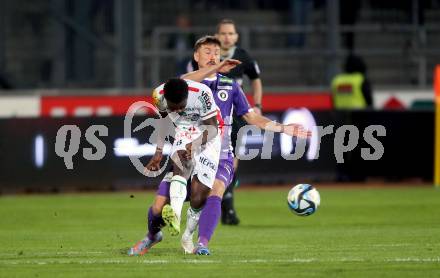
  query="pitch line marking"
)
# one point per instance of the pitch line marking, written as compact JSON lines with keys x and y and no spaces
{"x":67,"y":253}
{"x":195,"y":261}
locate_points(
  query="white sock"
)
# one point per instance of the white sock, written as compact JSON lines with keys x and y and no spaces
{"x":177,"y":194}
{"x":192,"y":220}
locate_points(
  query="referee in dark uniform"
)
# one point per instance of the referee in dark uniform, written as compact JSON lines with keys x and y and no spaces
{"x":228,"y":36}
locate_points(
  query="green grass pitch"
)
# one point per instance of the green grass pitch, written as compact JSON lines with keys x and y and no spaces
{"x":356,"y":232}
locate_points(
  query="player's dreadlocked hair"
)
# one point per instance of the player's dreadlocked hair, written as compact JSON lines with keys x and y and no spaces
{"x":175,"y":90}
{"x":206,"y":40}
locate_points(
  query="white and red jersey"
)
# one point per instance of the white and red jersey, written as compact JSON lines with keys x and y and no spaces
{"x":199,"y":107}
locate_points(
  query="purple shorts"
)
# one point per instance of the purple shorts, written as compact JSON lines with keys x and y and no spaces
{"x":225,"y":173}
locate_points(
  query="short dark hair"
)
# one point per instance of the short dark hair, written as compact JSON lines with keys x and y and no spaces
{"x":224,"y":21}
{"x":206,"y":40}
{"x":175,"y":90}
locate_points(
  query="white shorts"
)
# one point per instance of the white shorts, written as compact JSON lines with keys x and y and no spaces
{"x":205,"y":163}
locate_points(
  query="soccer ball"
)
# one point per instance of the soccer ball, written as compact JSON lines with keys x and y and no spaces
{"x":303,"y":199}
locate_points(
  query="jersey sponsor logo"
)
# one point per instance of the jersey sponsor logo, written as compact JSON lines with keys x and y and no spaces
{"x":220,"y":87}
{"x":206,"y":100}
{"x":226,"y":80}
{"x":207,"y":162}
{"x":223,"y":95}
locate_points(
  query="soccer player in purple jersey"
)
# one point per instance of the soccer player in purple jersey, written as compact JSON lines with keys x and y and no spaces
{"x":228,"y":37}
{"x":228,"y":97}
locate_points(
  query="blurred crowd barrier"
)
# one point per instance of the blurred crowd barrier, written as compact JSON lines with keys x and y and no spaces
{"x":380,"y":146}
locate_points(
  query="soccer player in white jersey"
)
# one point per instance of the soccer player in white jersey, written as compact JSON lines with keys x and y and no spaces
{"x":196,"y":148}
{"x":228,"y":97}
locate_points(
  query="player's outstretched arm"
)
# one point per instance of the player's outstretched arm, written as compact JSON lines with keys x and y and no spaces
{"x":267,"y":124}
{"x":223,"y":67}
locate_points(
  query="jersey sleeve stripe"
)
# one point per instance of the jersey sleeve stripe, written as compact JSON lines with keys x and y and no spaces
{"x":192,"y":89}
{"x":209,"y":115}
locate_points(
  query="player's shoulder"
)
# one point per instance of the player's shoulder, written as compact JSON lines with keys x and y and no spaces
{"x":197,"y":87}
{"x":242,"y":54}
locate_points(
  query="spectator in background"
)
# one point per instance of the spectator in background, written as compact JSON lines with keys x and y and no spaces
{"x":299,"y":13}
{"x":352,"y":89}
{"x":182,"y":42}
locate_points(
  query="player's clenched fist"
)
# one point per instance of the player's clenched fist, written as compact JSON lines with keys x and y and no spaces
{"x":154,"y":163}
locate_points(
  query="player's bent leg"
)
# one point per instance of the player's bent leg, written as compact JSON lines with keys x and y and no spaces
{"x":199,"y":193}
{"x":192,"y":220}
{"x":155,"y":223}
{"x":229,"y":214}
{"x":171,"y":213}
{"x":178,"y":192}
{"x":222,"y":177}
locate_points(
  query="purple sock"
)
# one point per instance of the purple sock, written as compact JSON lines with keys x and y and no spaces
{"x":155,"y":222}
{"x":209,"y":219}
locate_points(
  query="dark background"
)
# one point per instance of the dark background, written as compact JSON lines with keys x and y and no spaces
{"x":408,"y":154}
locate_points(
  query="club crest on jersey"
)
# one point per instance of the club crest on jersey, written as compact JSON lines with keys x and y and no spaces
{"x":223,"y":95}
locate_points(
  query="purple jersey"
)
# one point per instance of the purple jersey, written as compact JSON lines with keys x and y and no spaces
{"x":230,"y":99}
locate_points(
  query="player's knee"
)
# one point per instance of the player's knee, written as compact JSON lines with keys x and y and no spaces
{"x":197,"y":202}
{"x":157,"y":209}
{"x":218,"y":189}
{"x":177,"y":170}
